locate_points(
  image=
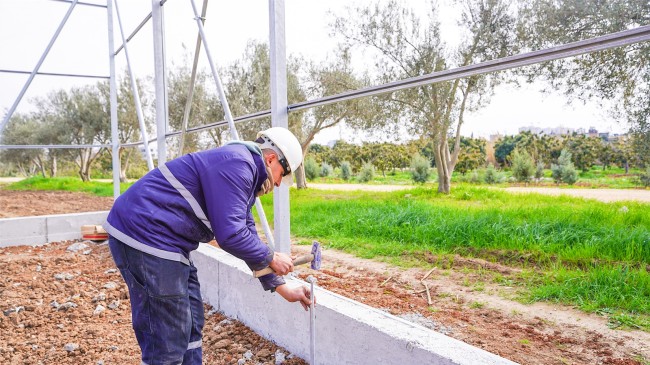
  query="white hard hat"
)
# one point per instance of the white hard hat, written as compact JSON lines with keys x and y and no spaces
{"x":281,"y":138}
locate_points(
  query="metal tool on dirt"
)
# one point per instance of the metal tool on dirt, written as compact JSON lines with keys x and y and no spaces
{"x":314,"y":259}
{"x":312,"y":322}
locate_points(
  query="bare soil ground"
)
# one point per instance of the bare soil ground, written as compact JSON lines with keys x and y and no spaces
{"x":62,"y":307}
{"x":464,"y":305}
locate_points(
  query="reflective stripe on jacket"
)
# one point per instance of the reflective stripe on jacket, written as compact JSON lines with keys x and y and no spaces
{"x":192,"y":199}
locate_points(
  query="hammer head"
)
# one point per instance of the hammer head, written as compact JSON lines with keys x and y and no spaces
{"x":315,"y":250}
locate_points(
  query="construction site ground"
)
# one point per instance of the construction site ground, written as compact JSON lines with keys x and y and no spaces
{"x":50,"y":299}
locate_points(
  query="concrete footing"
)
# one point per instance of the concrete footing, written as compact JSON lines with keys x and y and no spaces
{"x":347,"y":332}
{"x":42,"y":229}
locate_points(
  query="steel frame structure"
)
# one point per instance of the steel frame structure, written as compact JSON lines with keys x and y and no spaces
{"x":279,"y":106}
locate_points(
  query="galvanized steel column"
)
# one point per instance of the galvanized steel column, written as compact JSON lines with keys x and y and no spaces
{"x":279,"y":117}
{"x":160,"y":78}
{"x":113,"y":103}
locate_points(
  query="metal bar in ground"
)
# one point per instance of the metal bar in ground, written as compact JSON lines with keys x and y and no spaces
{"x":38,"y":66}
{"x":54,"y":74}
{"x":115,"y":138}
{"x":137,"y":29}
{"x":136,"y":94}
{"x":608,"y":41}
{"x":61,"y":146}
{"x":190,"y":89}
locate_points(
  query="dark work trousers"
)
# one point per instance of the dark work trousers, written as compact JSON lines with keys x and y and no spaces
{"x":166,"y":306}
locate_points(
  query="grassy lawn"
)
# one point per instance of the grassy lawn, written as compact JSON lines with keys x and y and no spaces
{"x":595,"y":256}
{"x":66,"y":184}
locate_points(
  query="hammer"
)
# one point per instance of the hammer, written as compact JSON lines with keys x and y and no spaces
{"x":314,"y":258}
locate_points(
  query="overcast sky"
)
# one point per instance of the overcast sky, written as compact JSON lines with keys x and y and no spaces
{"x":26,"y":27}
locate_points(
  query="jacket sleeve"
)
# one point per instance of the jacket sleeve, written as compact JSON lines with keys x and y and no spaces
{"x":227,"y":190}
{"x":270,"y":281}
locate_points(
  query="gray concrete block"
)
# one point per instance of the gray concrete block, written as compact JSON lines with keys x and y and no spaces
{"x":23,"y":231}
{"x":40,"y":230}
{"x":347,"y":331}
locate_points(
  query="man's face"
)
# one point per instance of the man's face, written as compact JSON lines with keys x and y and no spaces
{"x":276,"y":169}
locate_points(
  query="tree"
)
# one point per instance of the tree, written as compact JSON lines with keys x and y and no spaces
{"x":472,"y":154}
{"x":503,"y":147}
{"x":21,"y":130}
{"x":523,"y":166}
{"x":81,"y":117}
{"x":564,"y":171}
{"x":584,"y":150}
{"x":405,"y":48}
{"x":620,"y":75}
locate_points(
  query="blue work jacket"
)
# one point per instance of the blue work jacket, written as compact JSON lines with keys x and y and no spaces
{"x":195,"y":198}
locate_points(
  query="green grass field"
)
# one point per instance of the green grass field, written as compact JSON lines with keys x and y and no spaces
{"x":592,"y":255}
{"x":66,"y":184}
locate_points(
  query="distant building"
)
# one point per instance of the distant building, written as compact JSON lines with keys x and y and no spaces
{"x":557,"y":131}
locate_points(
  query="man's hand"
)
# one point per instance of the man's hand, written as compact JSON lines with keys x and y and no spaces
{"x":281,"y":264}
{"x":301,"y":294}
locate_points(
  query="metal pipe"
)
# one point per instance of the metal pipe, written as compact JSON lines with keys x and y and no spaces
{"x":81,"y":3}
{"x":190,"y":90}
{"x":54,"y":74}
{"x":136,"y":94}
{"x":312,"y":322}
{"x":279,"y":117}
{"x":160,"y":78}
{"x":38,"y":65}
{"x":115,"y":138}
{"x":137,"y":29}
{"x":231,"y":123}
{"x":62,"y":146}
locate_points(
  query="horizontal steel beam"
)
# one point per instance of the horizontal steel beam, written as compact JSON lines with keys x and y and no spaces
{"x":81,"y":3}
{"x":61,"y":146}
{"x":53,"y":74}
{"x":608,"y":41}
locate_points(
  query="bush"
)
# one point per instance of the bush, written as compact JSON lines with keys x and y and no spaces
{"x":564,"y":171}
{"x":523,"y":166}
{"x":492,"y":176}
{"x":326,"y":170}
{"x":367,"y":172}
{"x":311,"y":168}
{"x":539,"y":172}
{"x":420,"y":170}
{"x":644,"y":178}
{"x":346,"y":170}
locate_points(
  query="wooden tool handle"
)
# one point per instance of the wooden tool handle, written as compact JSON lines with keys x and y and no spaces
{"x":299,"y":261}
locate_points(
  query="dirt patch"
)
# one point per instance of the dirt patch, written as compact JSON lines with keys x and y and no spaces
{"x":31,"y":203}
{"x":62,"y":307}
{"x":464,"y":305}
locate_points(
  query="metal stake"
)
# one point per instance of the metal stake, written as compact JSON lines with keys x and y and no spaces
{"x":312,"y":323}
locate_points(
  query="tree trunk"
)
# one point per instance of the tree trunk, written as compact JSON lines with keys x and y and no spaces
{"x":54,"y":168}
{"x":301,"y":181}
{"x":41,"y":166}
{"x":123,"y":169}
{"x":442,"y":166}
{"x":84,"y":164}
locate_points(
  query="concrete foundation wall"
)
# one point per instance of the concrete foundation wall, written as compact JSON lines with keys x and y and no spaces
{"x":347,"y":332}
{"x":42,"y":229}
